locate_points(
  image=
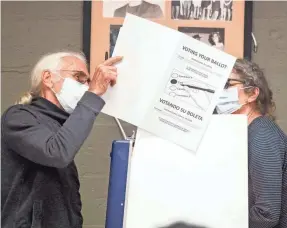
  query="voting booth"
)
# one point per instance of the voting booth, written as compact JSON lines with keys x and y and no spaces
{"x":157,"y":183}
{"x":184,"y":164}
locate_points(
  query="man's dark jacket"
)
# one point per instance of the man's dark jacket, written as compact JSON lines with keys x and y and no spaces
{"x":39,"y":179}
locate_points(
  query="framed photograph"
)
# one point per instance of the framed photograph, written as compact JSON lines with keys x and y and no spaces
{"x":219,"y":10}
{"x":145,"y":9}
{"x":222,"y":24}
{"x":211,"y":36}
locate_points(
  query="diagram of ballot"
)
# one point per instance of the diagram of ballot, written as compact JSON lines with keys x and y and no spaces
{"x":190,"y":90}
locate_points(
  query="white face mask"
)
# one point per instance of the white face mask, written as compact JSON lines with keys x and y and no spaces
{"x":228,"y":101}
{"x":70,"y":94}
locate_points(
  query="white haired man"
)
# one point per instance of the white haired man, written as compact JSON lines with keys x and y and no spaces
{"x":42,"y":134}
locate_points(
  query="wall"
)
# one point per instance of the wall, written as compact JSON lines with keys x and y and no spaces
{"x":270,"y":30}
{"x":30,"y":29}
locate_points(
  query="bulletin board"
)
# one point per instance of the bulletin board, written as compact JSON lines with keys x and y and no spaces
{"x":223,"y":24}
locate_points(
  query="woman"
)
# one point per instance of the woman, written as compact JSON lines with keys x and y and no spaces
{"x":186,"y":7}
{"x":215,"y":9}
{"x":197,"y":9}
{"x":227,"y":10}
{"x":175,"y":8}
{"x":206,"y":9}
{"x":247,"y":92}
{"x":215,"y":40}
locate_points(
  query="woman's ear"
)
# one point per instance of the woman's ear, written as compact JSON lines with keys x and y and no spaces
{"x":253,"y":96}
{"x":47,"y":79}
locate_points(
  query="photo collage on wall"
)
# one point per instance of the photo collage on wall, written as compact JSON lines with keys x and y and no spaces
{"x":202,"y":10}
{"x":217,"y":23}
{"x":212,"y":10}
{"x":119,"y":9}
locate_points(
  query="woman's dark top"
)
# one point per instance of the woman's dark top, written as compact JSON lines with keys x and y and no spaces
{"x":267,"y":148}
{"x":39,"y":179}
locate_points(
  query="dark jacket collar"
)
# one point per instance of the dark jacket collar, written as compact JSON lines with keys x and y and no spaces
{"x":48,"y":108}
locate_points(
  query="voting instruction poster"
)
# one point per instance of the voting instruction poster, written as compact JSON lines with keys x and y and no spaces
{"x":168,"y":87}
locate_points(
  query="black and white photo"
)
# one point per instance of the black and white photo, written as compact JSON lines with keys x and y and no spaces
{"x":142,"y":8}
{"x":175,"y":9}
{"x":202,"y":9}
{"x":114,"y":32}
{"x":227,"y":10}
{"x":210,"y":36}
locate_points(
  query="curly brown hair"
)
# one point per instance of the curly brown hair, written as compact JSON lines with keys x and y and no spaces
{"x":253,"y":76}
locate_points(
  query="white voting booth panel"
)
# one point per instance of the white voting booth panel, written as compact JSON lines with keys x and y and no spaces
{"x":209,"y":188}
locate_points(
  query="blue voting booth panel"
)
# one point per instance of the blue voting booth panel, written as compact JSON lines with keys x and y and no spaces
{"x":117,"y":184}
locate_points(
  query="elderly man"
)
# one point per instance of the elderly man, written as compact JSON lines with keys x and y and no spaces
{"x":42,"y":134}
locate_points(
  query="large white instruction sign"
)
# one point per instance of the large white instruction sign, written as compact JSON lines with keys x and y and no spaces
{"x":168,"y":82}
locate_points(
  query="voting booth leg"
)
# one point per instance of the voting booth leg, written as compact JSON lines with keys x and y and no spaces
{"x":117,"y":184}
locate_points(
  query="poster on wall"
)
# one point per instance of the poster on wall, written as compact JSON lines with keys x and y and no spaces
{"x":222,"y":24}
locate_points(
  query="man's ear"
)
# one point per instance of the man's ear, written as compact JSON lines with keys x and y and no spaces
{"x":47,"y":79}
{"x":253,"y":96}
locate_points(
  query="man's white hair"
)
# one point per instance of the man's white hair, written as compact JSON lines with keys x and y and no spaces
{"x":52,"y":62}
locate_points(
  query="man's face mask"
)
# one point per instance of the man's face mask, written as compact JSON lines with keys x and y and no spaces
{"x":70,"y":94}
{"x":229,"y":101}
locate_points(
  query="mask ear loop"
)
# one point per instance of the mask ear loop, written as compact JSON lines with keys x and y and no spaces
{"x":246,"y":102}
{"x":251,"y":111}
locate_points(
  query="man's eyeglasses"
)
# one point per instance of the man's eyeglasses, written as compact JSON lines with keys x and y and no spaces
{"x":232,"y":82}
{"x":80,"y":76}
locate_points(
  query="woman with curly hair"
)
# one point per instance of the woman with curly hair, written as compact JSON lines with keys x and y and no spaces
{"x":247,"y":93}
